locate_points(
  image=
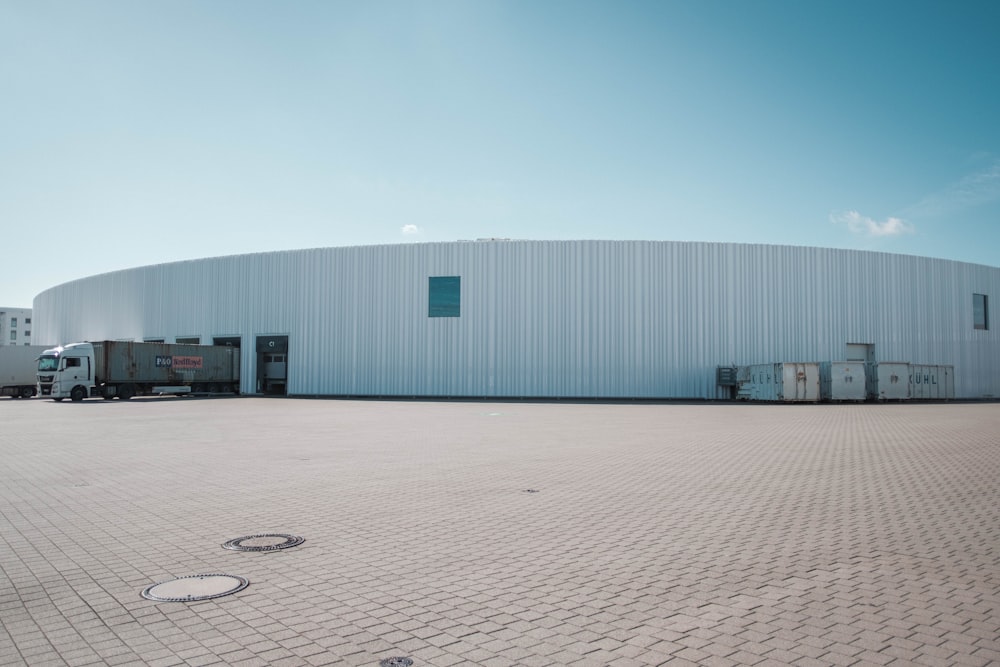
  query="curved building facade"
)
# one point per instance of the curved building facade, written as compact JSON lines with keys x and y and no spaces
{"x":498,"y":318}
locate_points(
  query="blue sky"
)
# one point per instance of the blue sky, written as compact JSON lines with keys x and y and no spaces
{"x":135,"y":133}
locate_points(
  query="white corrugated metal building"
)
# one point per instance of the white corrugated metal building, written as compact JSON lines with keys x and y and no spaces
{"x":498,"y":318}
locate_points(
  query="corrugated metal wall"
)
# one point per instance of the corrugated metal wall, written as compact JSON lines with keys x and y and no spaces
{"x":547,"y":318}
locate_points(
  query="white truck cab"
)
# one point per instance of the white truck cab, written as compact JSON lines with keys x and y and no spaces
{"x":67,"y":372}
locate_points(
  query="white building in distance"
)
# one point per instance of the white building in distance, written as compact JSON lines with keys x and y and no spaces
{"x":15,"y":326}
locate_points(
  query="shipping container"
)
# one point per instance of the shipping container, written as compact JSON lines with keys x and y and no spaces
{"x":932,"y":382}
{"x":842,"y":381}
{"x":789,"y":382}
{"x":889,"y":381}
{"x":117,"y":362}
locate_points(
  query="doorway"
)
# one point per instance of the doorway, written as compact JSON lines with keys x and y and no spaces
{"x":229,"y":341}
{"x":272,"y":365}
{"x":864,"y":352}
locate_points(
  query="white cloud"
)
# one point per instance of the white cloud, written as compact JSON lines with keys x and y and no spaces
{"x":861,"y":224}
{"x":410,"y":230}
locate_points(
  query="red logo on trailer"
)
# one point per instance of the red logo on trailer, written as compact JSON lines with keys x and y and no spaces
{"x":187,"y":363}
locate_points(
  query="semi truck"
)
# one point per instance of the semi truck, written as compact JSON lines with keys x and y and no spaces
{"x":17,"y":370}
{"x":123,"y":369}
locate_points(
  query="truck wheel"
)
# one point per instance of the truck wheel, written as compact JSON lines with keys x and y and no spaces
{"x":126,"y":391}
{"x":27,"y":392}
{"x":78,"y":394}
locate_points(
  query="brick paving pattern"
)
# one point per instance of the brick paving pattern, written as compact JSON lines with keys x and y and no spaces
{"x":658,"y":534}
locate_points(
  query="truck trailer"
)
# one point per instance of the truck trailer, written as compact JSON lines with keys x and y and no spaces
{"x":123,"y":369}
{"x":18,"y":366}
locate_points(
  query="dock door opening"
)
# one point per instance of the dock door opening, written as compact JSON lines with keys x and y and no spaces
{"x":864,"y":352}
{"x":231,"y":341}
{"x":272,"y":365}
{"x":226,"y":341}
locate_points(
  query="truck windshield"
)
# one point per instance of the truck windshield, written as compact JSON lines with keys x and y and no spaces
{"x":48,"y":363}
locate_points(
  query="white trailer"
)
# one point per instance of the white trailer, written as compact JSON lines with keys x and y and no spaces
{"x":932,"y":382}
{"x":788,"y":382}
{"x":889,"y":381}
{"x":18,"y":370}
{"x":842,"y":381}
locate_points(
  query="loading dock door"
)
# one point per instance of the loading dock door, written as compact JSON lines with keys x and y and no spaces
{"x":231,"y":341}
{"x":272,"y":365}
{"x":864,"y":352}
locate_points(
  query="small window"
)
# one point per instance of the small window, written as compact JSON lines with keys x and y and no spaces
{"x":189,"y":340}
{"x":444,"y":296}
{"x":72,"y":362}
{"x":13,"y":323}
{"x":980,"y":312}
{"x":27,"y":333}
{"x":27,"y":321}
{"x":13,"y":335}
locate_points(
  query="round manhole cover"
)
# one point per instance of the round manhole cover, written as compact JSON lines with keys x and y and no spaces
{"x":265,"y":542}
{"x":195,"y":587}
{"x":395,"y":662}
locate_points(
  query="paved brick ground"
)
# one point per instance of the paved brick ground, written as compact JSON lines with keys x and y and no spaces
{"x":659,"y":534}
